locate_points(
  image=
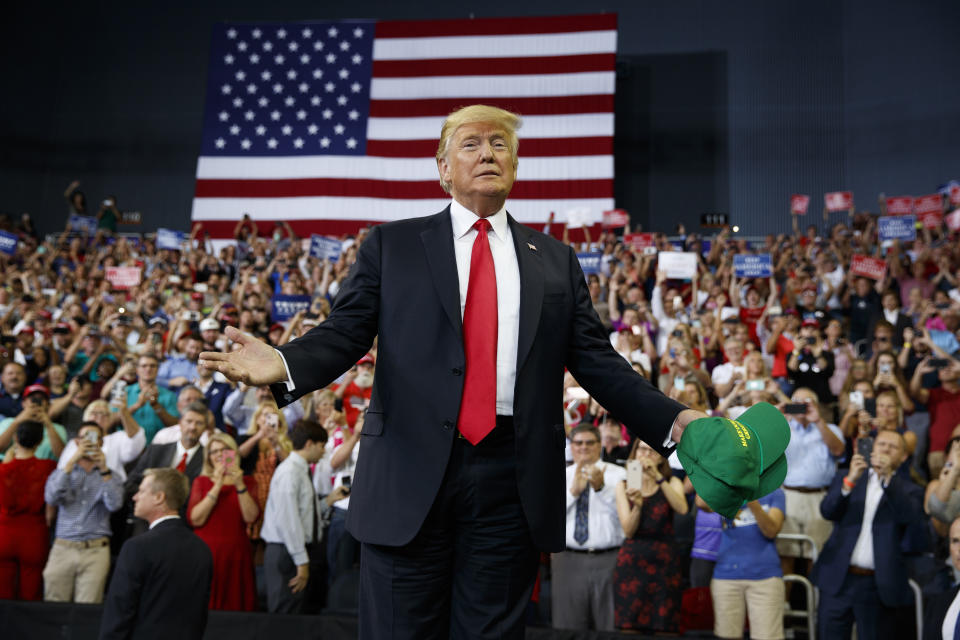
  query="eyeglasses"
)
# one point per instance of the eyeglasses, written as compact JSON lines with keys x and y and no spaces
{"x":882,"y":338}
{"x":584,"y":443}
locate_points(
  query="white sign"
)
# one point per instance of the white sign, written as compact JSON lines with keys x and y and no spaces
{"x":577,"y":218}
{"x":679,"y":265}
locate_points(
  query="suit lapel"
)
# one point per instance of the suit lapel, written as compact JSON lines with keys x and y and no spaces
{"x":531,"y":287}
{"x":438,"y":243}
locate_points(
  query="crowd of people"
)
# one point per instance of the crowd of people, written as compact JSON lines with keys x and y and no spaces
{"x":101,"y":383}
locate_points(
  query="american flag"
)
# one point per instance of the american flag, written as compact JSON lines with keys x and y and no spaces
{"x":334,"y":125}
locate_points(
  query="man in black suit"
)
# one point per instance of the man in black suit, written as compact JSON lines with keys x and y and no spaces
{"x":460,"y":480}
{"x":161,"y":586}
{"x":941,"y":610}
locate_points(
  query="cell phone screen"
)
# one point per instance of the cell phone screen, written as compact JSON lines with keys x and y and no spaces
{"x":795,"y":408}
{"x":865,"y":447}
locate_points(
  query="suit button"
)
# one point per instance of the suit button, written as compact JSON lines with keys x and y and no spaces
{"x":457,"y":371}
{"x":448,"y":424}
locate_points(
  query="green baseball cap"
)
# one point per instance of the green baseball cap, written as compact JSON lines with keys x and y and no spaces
{"x":731,"y":462}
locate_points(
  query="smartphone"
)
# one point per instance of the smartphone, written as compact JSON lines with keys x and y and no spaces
{"x":870,"y":406}
{"x":273,"y":420}
{"x":677,"y":333}
{"x":865,"y":447}
{"x":91,"y":437}
{"x":229,"y":457}
{"x":636,"y":329}
{"x":856,"y":399}
{"x":634,"y":474}
{"x":346,"y":482}
{"x":677,"y":302}
{"x":811,"y":341}
{"x":795,"y":408}
{"x":884,"y":368}
{"x":755,"y":385}
{"x":939,"y":363}
{"x":679,"y":383}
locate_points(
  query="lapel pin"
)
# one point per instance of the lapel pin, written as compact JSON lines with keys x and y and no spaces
{"x":532,"y":248}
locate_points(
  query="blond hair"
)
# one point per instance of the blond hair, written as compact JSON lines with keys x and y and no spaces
{"x":473,"y":114}
{"x":282,"y":427}
{"x":224,"y":439}
{"x":171,"y":483}
{"x":101,"y":405}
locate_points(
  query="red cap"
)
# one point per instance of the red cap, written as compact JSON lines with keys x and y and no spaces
{"x":62,"y":325}
{"x":367,"y":359}
{"x":36,"y":388}
{"x":196,"y":295}
{"x":26,"y":330}
{"x":810,"y":322}
{"x":46,"y":315}
{"x":275,"y":326}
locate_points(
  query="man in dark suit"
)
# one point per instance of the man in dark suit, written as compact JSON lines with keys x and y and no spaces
{"x":861,"y":571}
{"x":161,"y":586}
{"x":460,"y":479}
{"x":941,"y":610}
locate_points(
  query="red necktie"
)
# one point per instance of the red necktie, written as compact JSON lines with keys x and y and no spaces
{"x":478,"y":409}
{"x":182,"y":465}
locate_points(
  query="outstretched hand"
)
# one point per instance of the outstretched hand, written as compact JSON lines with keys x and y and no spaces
{"x":255,"y":363}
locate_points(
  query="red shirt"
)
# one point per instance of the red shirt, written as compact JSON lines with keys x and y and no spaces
{"x":355,"y":400}
{"x":944,"y":408}
{"x":784,"y":348}
{"x":750,"y":316}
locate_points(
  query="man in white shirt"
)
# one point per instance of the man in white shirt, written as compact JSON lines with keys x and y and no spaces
{"x":861,"y":572}
{"x":582,"y":588}
{"x":292,"y":520}
{"x":725,"y":375}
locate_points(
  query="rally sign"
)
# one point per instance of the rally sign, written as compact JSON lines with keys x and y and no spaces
{"x":799,"y":204}
{"x":615,"y":218}
{"x":953,"y":220}
{"x":578,"y":218}
{"x":679,"y":265}
{"x":284,"y":307}
{"x":325,"y":248}
{"x":897,"y":228}
{"x":752,"y":266}
{"x":170,"y":239}
{"x":82,"y":224}
{"x":8,"y":243}
{"x":590,"y":262}
{"x":929,"y":210}
{"x":838,"y":200}
{"x":123,"y":277}
{"x":900,"y":206}
{"x":873,"y":268}
{"x":955,"y":194}
{"x":642,"y":242}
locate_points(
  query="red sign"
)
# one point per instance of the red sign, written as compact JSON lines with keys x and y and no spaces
{"x":873,"y":268}
{"x":123,"y":277}
{"x":929,"y":210}
{"x":799,"y":204}
{"x":642,"y":242}
{"x":900,"y":206}
{"x":615,"y":218}
{"x":838,"y":200}
{"x":955,"y":194}
{"x":953,"y":220}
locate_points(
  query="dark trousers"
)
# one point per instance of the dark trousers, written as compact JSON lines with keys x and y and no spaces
{"x":858,"y":601}
{"x":470,"y":570}
{"x":279,"y":570}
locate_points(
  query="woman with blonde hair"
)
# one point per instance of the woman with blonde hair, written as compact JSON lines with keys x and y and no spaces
{"x":220,"y":509}
{"x":263,"y":447}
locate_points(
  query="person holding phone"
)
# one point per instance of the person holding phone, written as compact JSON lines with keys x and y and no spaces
{"x":261,"y":450}
{"x":943,"y":403}
{"x":220,"y":508}
{"x":811,"y":363}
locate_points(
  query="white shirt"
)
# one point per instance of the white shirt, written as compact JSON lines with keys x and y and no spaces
{"x":179,"y":454}
{"x":603,"y":523}
{"x":288,"y":516}
{"x":159,"y":520}
{"x":508,"y":290}
{"x":172,"y":434}
{"x":118,"y":449}
{"x":862,"y":555}
{"x":722,"y":373}
{"x":891,"y":316}
{"x":950,"y":619}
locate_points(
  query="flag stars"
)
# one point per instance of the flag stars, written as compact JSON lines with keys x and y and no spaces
{"x":292,"y":74}
{"x":332,"y":32}
{"x":317,"y":74}
{"x":254,"y":59}
{"x":344,"y":74}
{"x":263,"y":101}
{"x":351,"y":143}
{"x":278,"y":88}
{"x":331,"y":58}
{"x":303,"y":87}
{"x":234,"y":130}
{"x":249,"y":115}
{"x":232,"y":33}
{"x":266,"y":75}
{"x":298,"y":143}
{"x":354,"y":114}
{"x":356,"y":87}
{"x":241,"y":46}
{"x":261,"y":130}
{"x":279,"y":59}
{"x":307,"y":33}
{"x":286,"y":129}
{"x":339,"y":129}
{"x":329,"y":87}
{"x":356,"y":58}
{"x":312,"y":129}
{"x":228,"y":59}
{"x":304,"y":59}
{"x":301,"y":115}
{"x":327,"y":114}
{"x":272,"y":143}
{"x":289,"y":101}
{"x":315,"y":101}
{"x":256,"y":33}
{"x":238,"y":102}
{"x":251,"y":88}
{"x":240,"y":76}
{"x":281,"y":33}
{"x":274,"y":115}
{"x":224,"y":116}
{"x":245,"y":143}
{"x":267,"y":46}
{"x":344,"y":46}
{"x":358,"y":33}
{"x":220,"y":143}
{"x":318,"y":46}
{"x":293,"y":46}
{"x":226,"y":89}
{"x":324,"y":142}
{"x":342,"y":100}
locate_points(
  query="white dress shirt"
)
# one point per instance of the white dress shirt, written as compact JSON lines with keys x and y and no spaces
{"x":288,"y":516}
{"x":118,"y":449}
{"x":172,"y":434}
{"x":180,"y":451}
{"x":950,"y":619}
{"x":159,"y":520}
{"x":603,"y":523}
{"x":862,"y":555}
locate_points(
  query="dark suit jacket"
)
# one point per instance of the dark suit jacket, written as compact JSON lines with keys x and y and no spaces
{"x":900,"y":506}
{"x":404,"y":289}
{"x":160,"y":587}
{"x":160,"y":455}
{"x":934,"y":611}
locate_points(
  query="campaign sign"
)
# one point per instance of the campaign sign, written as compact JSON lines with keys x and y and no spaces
{"x":82,"y":224}
{"x":900,"y":206}
{"x":590,"y":262}
{"x":799,"y":204}
{"x":897,"y":228}
{"x":284,"y":307}
{"x":955,"y":194}
{"x":872,"y":268}
{"x":929,"y":210}
{"x":679,"y":265}
{"x":8,"y":243}
{"x":752,"y":266}
{"x":615,"y":218}
{"x":170,"y":239}
{"x":838,"y":200}
{"x":123,"y":277}
{"x":953,"y":220}
{"x":641,"y":242}
{"x":323,"y":247}
{"x":579,"y":218}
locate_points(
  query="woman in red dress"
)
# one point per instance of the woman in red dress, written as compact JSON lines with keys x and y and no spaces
{"x":24,"y":538}
{"x":220,"y":509}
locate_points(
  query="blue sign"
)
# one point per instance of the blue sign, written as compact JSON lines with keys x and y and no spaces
{"x":82,"y":224}
{"x":590,"y":262}
{"x":284,"y":307}
{"x":750,"y":266}
{"x":170,"y":239}
{"x":897,"y":228}
{"x":8,"y":243}
{"x":322,"y":247}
